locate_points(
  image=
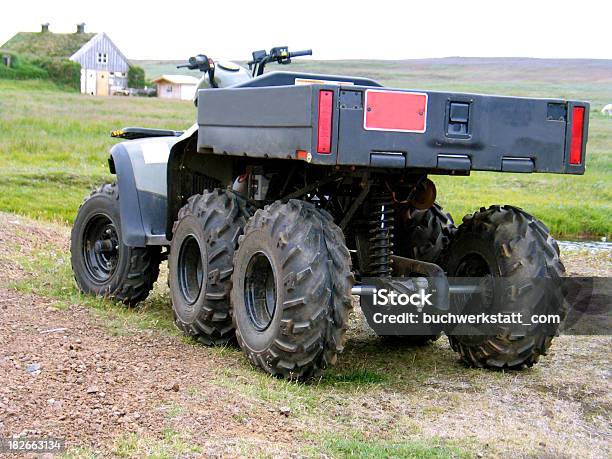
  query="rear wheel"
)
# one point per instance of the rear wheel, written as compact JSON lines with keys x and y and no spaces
{"x":504,"y":241}
{"x":102,"y":264}
{"x":201,"y":263}
{"x":423,"y":234}
{"x":291,"y":290}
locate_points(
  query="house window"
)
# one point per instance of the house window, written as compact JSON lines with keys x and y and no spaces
{"x":6,"y":60}
{"x":169,"y":88}
{"x":102,"y":58}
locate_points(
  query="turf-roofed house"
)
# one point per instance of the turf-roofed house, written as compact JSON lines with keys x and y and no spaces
{"x":104,"y":68}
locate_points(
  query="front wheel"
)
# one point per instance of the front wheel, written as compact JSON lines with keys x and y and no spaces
{"x":504,"y":241}
{"x":291,"y":292}
{"x":102,"y":264}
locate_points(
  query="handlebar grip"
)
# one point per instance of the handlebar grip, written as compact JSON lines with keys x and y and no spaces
{"x":183,"y":66}
{"x":307,"y":52}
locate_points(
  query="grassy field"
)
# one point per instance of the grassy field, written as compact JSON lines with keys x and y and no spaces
{"x":54,"y":144}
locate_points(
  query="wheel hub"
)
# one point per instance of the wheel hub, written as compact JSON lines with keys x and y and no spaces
{"x":260,"y":291}
{"x":100,"y":248}
{"x":475,"y":266}
{"x":190,"y":269}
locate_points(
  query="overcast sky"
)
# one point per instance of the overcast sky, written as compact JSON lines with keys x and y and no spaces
{"x":333,"y":29}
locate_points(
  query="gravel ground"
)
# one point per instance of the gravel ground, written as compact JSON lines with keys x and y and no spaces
{"x":63,"y":374}
{"x":91,"y":386}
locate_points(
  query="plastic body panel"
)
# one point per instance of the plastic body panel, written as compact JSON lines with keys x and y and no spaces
{"x":463,"y":132}
{"x":140,"y":166}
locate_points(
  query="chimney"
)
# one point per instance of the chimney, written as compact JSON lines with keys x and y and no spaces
{"x":44,"y":27}
{"x":81,"y":28}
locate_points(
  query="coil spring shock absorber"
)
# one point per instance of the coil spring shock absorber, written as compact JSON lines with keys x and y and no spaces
{"x":381,"y":234}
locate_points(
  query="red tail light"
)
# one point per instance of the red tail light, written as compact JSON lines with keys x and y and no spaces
{"x":577,"y":133}
{"x":324,"y":134}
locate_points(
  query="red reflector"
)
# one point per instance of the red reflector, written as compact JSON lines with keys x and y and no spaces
{"x":395,"y":111}
{"x":577,"y":130}
{"x":324,"y":134}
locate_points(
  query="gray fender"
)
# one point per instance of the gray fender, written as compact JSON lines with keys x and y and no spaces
{"x":140,"y":166}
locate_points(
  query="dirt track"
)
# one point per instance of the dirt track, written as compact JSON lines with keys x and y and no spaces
{"x":94,"y":387}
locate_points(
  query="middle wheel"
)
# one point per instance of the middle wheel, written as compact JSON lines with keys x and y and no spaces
{"x":200,"y":264}
{"x":291,"y":293}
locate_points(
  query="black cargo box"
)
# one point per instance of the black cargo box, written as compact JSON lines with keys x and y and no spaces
{"x":355,"y":122}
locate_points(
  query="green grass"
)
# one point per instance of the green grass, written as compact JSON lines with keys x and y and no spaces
{"x":355,"y":378}
{"x":81,"y":452}
{"x":357,"y":447}
{"x":54,"y":145}
{"x":172,"y":445}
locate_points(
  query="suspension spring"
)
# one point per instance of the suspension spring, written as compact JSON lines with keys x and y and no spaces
{"x":381,"y":234}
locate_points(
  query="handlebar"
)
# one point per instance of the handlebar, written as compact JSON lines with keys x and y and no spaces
{"x":200,"y":62}
{"x":306,"y":52}
{"x":280,"y":54}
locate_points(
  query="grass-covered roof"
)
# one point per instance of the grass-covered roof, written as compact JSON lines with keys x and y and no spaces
{"x":48,"y":44}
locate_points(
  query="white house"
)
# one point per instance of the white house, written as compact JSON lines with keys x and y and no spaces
{"x":176,"y":86}
{"x":104,"y":68}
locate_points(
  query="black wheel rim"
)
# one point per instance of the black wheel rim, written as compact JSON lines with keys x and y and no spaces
{"x":190,"y":271}
{"x":260,"y":291}
{"x":100,"y":248}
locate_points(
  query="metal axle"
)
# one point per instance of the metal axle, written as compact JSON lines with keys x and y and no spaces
{"x":361,"y":290}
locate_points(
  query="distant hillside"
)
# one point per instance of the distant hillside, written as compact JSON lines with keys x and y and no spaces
{"x":587,"y":70}
{"x":569,"y":78}
{"x":156,"y":68}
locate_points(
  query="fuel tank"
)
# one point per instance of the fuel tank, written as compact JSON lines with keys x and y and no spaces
{"x":226,"y":74}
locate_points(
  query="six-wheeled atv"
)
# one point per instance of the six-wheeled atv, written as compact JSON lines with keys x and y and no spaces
{"x":293,"y":189}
